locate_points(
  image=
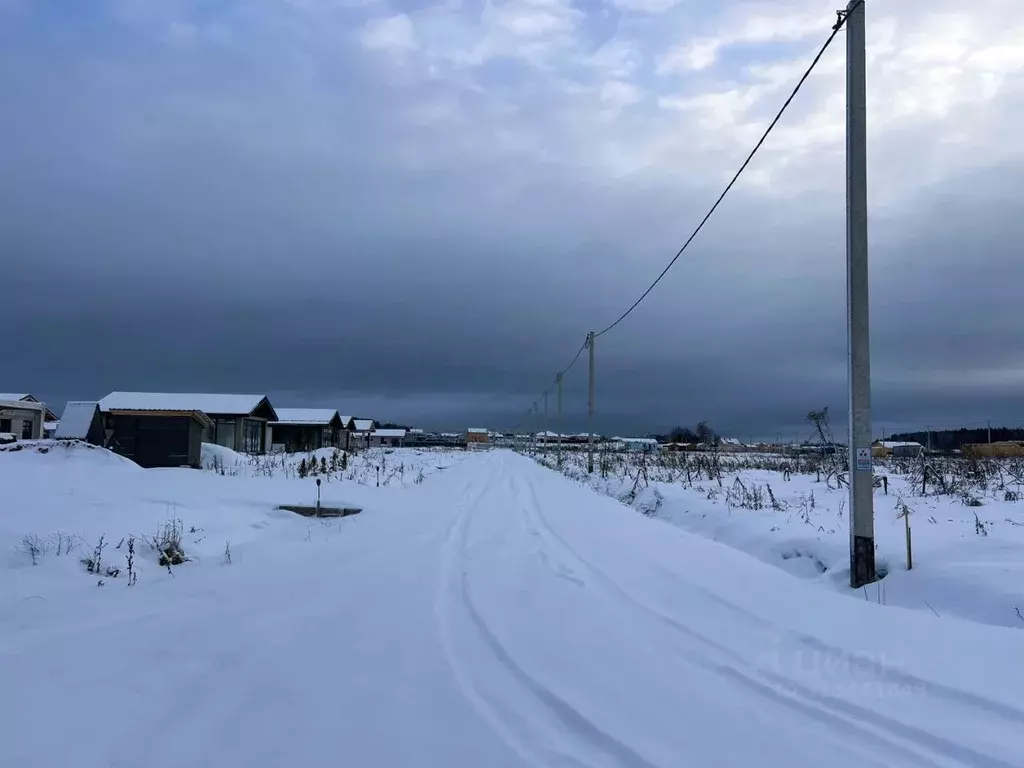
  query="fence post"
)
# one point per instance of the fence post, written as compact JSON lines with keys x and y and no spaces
{"x":910,"y":553}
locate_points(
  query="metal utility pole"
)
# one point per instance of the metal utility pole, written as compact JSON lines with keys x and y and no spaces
{"x":590,"y":406}
{"x":558,"y":418}
{"x":989,"y":424}
{"x":862,"y":514}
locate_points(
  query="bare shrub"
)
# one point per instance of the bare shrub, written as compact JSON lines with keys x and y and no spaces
{"x":133,"y":576}
{"x":167,"y":542}
{"x":33,"y":546}
{"x":93,"y":562}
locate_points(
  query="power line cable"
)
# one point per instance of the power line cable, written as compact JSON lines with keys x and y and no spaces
{"x":821,"y":52}
{"x":561,"y":373}
{"x":837,"y":27}
{"x":570,"y":365}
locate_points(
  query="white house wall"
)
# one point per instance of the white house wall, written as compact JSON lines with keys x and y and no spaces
{"x":19,"y":416}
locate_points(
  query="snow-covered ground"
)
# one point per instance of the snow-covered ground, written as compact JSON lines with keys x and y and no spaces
{"x":373,"y":466}
{"x":494,"y":614}
{"x":968,"y":561}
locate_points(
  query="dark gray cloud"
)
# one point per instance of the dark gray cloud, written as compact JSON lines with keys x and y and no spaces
{"x":259,"y":217}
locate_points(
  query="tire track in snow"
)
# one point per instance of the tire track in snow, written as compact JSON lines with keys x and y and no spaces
{"x":848,"y":658}
{"x":234,"y":660}
{"x":822,"y":707}
{"x":444,"y":610}
{"x":455,"y":597}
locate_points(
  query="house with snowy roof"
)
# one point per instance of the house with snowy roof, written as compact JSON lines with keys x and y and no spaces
{"x":21,"y":418}
{"x":393,"y":437}
{"x":81,"y":420}
{"x":165,"y":423}
{"x":24,"y":397}
{"x":360,"y":432}
{"x":307,"y":429}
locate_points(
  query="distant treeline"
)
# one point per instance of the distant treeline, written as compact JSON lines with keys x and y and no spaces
{"x":702,"y":433}
{"x":953,"y":439}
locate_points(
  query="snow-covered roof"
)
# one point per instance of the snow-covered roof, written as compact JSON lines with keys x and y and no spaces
{"x":345,"y":420}
{"x":644,"y":440}
{"x":363,"y":425}
{"x":14,"y":397}
{"x":477,"y":430}
{"x":238,"y":405}
{"x":416,"y":431}
{"x":388,"y":433}
{"x":76,"y":420}
{"x":314,"y":416}
{"x":900,"y":444}
{"x":27,"y":405}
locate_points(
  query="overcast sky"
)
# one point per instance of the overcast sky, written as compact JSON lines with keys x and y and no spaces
{"x":416,"y":210}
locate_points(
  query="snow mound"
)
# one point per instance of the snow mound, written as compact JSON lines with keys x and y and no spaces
{"x":63,"y":450}
{"x":215,"y":456}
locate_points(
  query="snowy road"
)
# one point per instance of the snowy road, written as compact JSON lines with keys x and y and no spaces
{"x":500,"y":615}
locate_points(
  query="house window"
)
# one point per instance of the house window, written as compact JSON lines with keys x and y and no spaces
{"x":5,"y":425}
{"x":254,"y":431}
{"x":26,"y":430}
{"x":225,"y":433}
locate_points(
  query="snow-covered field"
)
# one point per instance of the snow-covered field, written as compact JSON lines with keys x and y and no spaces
{"x":967,"y":543}
{"x":493,"y":614}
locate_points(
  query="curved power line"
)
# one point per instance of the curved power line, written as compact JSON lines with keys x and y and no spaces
{"x":841,"y":21}
{"x":821,"y":52}
{"x":549,"y":387}
{"x":570,"y":365}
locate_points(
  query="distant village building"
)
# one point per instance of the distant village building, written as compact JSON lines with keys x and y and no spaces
{"x":999,"y":450}
{"x":477,"y":436}
{"x":637,"y":443}
{"x":896,"y":449}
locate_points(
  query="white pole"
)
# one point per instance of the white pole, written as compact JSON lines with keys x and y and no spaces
{"x":546,"y":441}
{"x":590,"y":406}
{"x":558,"y":418}
{"x":862,"y":523}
